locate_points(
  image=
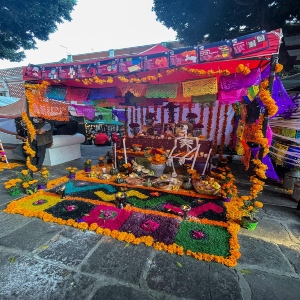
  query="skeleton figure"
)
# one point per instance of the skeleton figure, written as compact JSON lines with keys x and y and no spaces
{"x":184,"y":141}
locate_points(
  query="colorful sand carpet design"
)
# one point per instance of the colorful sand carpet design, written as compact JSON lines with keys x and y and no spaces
{"x":154,"y":218}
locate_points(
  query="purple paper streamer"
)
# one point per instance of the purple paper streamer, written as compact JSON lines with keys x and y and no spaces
{"x":270,"y":172}
{"x":120,"y":114}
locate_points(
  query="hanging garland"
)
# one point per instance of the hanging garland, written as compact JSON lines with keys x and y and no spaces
{"x":266,"y":98}
{"x":224,"y":126}
{"x":259,"y":137}
{"x":126,"y":122}
{"x":131,"y":114}
{"x":142,"y":115}
{"x":231,"y":143}
{"x":209,"y":121}
{"x":135,"y":115}
{"x":243,"y":69}
{"x":201,"y":119}
{"x":30,"y":153}
{"x":180,"y":112}
{"x":215,"y":144}
{"x":162,"y":114}
{"x":155,"y":110}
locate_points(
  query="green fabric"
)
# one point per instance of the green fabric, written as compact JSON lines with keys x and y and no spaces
{"x":204,"y":99}
{"x":105,"y":112}
{"x":162,"y":90}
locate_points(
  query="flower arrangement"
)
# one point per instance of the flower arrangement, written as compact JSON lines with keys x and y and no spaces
{"x":251,"y":207}
{"x":134,"y":125}
{"x":156,"y":156}
{"x":44,"y":176}
{"x":25,"y":176}
{"x":13,"y":186}
{"x":71,"y":170}
{"x":30,"y":186}
{"x":88,"y":163}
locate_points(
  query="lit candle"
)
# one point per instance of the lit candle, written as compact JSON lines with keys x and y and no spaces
{"x":125,"y":155}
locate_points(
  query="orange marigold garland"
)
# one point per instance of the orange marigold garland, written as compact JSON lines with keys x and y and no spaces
{"x":142,"y":115}
{"x":243,"y":69}
{"x":135,"y":114}
{"x":209,"y":121}
{"x":162,"y":114}
{"x":215,"y":143}
{"x":131,"y":115}
{"x":201,"y":119}
{"x":266,"y":98}
{"x":224,"y":126}
{"x":278,"y":68}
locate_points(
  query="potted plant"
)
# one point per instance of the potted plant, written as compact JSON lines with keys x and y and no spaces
{"x":157,"y":158}
{"x":88,"y":165}
{"x":43,"y":179}
{"x":30,"y":186}
{"x":71,"y":171}
{"x":251,"y":206}
{"x":13,"y":186}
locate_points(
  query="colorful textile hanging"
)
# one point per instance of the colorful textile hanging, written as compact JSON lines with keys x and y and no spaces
{"x":143,"y":101}
{"x":238,"y":80}
{"x":229,"y":97}
{"x":200,"y":87}
{"x":56,"y":92}
{"x":120,"y":114}
{"x":87,"y":111}
{"x":180,"y":99}
{"x":105,"y":112}
{"x":281,"y":97}
{"x":104,"y":93}
{"x":50,"y":110}
{"x":115,"y":101}
{"x":76,"y":94}
{"x":137,"y":90}
{"x":162,"y":90}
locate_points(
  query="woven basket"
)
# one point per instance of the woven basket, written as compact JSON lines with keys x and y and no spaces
{"x":205,"y":192}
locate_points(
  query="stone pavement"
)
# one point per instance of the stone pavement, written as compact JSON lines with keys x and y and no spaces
{"x":41,"y":261}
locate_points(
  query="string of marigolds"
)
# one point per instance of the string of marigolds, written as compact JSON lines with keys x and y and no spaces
{"x":209,"y":121}
{"x":135,"y":114}
{"x":223,"y":131}
{"x":162,"y":114}
{"x":142,"y":115}
{"x":201,"y":119}
{"x":215,"y":144}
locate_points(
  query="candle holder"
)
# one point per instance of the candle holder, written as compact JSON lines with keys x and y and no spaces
{"x":121,"y":199}
{"x":186,"y":209}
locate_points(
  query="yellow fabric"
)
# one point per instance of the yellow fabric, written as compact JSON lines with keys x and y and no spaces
{"x":200,"y":87}
{"x":137,"y":90}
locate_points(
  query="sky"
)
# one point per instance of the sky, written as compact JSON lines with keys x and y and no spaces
{"x":98,"y":26}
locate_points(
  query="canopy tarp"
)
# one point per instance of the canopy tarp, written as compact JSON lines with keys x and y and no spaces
{"x":13,"y":110}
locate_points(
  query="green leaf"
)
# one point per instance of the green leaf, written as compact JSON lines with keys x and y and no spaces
{"x":245,"y":271}
{"x":12,"y":260}
{"x":179,"y":264}
{"x":126,"y":245}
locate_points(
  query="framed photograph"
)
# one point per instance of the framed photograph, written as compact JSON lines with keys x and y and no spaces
{"x":169,"y":128}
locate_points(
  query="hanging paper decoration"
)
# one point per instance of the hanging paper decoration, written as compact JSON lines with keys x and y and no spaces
{"x":120,"y":114}
{"x":115,"y":101}
{"x":238,"y":80}
{"x":200,"y":87}
{"x":87,"y":111}
{"x":180,"y":99}
{"x":50,"y":110}
{"x":229,"y":97}
{"x":104,"y":93}
{"x":162,"y":90}
{"x":281,"y":97}
{"x":56,"y":92}
{"x":270,"y":172}
{"x":204,"y":99}
{"x":77,"y":94}
{"x":137,"y":90}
